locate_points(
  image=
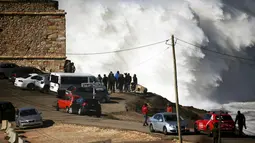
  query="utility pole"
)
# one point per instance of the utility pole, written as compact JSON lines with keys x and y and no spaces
{"x":176,"y":90}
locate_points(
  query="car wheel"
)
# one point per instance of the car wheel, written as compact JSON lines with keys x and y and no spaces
{"x":70,"y":111}
{"x":209,"y":133}
{"x":80,"y":112}
{"x":57,"y":107}
{"x":67,"y":110}
{"x":103,"y":100}
{"x":165,"y":130}
{"x":2,"y":76}
{"x":151,"y":128}
{"x":196,"y":129}
{"x":98,"y":114}
{"x":31,"y":86}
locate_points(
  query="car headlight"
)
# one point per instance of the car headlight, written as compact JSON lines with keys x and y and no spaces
{"x":171,"y":126}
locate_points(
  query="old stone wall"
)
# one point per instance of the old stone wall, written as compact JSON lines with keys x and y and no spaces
{"x":33,"y":34}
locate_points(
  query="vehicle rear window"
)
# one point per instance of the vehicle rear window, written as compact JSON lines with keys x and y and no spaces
{"x":26,"y":76}
{"x":28,"y":112}
{"x":224,"y":118}
{"x":171,"y":118}
{"x":74,"y":80}
{"x":6,"y":106}
{"x":93,"y":79}
{"x":54,"y":79}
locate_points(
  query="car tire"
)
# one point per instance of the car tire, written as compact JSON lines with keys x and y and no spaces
{"x":151,"y":128}
{"x":57,"y":107}
{"x":2,"y":76}
{"x":196,"y":131}
{"x":165,"y":131}
{"x":31,"y":86}
{"x":103,"y":100}
{"x":98,"y":114}
{"x":80,"y":111}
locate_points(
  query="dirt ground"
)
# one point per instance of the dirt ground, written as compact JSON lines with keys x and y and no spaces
{"x":63,"y":133}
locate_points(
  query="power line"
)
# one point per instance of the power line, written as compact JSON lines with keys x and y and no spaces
{"x":217,"y":52}
{"x":117,"y":51}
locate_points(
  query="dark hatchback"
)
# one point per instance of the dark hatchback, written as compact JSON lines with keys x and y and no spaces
{"x":83,"y":106}
{"x":7,"y":111}
{"x":6,"y":69}
{"x":101,"y":94}
{"x":23,"y":71}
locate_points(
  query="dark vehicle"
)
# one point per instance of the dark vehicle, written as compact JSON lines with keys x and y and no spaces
{"x":101,"y":94}
{"x":7,"y":111}
{"x":6,"y":69}
{"x":23,"y":71}
{"x":79,"y":105}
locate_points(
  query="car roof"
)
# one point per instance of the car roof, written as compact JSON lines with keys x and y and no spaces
{"x":166,"y":113}
{"x":70,"y":74}
{"x":26,"y":108}
{"x":3,"y":102}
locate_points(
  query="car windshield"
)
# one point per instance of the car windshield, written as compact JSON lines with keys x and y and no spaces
{"x":28,"y":112}
{"x":79,"y":100}
{"x":171,"y":118}
{"x":26,"y":76}
{"x":224,"y":118}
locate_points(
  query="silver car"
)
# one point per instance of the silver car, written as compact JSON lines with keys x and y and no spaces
{"x":28,"y":117}
{"x":167,"y":123}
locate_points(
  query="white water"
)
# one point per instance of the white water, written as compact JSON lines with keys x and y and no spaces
{"x":206,"y":80}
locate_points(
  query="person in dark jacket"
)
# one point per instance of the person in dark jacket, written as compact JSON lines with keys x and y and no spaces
{"x":121,"y":82}
{"x":215,"y":133}
{"x":125,"y":82}
{"x":134,"y":83}
{"x":105,"y":81}
{"x":72,"y":68}
{"x":111,"y":80}
{"x":99,"y":78}
{"x":67,"y":66}
{"x":145,"y":114}
{"x":129,"y":80}
{"x":240,"y":120}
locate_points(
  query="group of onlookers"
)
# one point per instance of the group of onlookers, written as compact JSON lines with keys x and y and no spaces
{"x":122,"y":82}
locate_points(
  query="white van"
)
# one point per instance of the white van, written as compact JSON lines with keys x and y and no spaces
{"x":61,"y":81}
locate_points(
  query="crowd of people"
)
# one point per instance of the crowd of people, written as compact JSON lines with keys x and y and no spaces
{"x":122,"y":82}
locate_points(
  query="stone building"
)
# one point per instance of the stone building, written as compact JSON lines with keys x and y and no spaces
{"x":32,"y":33}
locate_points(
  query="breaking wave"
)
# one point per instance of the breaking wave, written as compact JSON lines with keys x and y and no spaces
{"x":205,"y":79}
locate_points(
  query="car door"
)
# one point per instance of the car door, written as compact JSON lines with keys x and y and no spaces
{"x":39,"y":81}
{"x":161,"y":122}
{"x":206,"y":121}
{"x":155,"y":122}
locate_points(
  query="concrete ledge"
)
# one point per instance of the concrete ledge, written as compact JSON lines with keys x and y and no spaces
{"x":34,"y":13}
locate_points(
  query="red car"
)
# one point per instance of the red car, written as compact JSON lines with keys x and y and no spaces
{"x":66,"y":102}
{"x":207,"y":123}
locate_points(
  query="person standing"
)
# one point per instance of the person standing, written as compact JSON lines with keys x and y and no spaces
{"x":105,"y":80}
{"x":215,"y":133}
{"x":240,"y":120}
{"x":121,"y":82}
{"x":169,"y":108}
{"x":99,"y":78}
{"x":117,"y":74}
{"x":145,"y":114}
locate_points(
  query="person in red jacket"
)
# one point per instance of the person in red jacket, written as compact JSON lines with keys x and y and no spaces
{"x":145,"y":114}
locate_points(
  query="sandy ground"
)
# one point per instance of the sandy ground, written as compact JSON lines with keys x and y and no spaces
{"x":66,"y":133}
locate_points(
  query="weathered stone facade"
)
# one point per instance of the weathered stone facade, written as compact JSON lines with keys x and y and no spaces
{"x":33,"y":34}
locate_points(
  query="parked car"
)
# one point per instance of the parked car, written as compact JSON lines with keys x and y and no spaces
{"x":166,"y":122}
{"x":27,"y":81}
{"x":28,"y":117}
{"x":78,"y":105}
{"x":101,"y":94}
{"x":207,"y":123}
{"x":42,"y":83}
{"x":23,"y":71}
{"x":6,"y":69}
{"x":7,"y":111}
